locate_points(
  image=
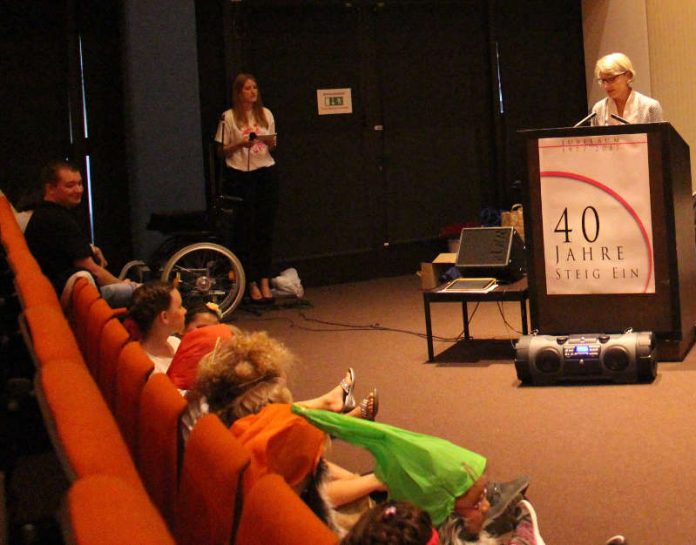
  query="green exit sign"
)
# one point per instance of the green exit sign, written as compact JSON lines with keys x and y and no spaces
{"x":334,"y":101}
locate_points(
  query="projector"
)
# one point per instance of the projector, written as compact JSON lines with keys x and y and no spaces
{"x":620,"y":358}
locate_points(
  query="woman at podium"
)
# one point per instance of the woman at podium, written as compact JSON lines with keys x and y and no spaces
{"x":615,"y":73}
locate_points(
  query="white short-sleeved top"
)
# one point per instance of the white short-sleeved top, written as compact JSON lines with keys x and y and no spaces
{"x":255,"y":157}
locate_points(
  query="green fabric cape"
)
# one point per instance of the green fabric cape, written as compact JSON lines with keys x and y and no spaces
{"x":427,"y":471}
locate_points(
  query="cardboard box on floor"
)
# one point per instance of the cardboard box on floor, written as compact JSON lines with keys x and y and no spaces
{"x":430,"y":273}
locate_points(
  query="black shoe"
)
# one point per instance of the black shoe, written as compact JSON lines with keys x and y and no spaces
{"x":500,"y":518}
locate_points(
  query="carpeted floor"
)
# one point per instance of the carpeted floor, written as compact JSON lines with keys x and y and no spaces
{"x":602,"y":459}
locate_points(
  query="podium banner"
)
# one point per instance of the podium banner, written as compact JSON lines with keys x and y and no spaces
{"x":596,"y":214}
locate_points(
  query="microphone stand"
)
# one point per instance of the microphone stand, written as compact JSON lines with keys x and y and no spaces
{"x":585,"y":119}
{"x":621,"y":119}
{"x":223,"y":157}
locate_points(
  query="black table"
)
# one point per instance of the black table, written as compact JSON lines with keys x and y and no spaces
{"x":517,"y":291}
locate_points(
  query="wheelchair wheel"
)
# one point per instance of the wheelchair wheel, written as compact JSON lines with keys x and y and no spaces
{"x":135,"y":270}
{"x":209,"y":271}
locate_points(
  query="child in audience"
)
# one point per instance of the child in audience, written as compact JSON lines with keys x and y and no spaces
{"x":393,"y":523}
{"x":283,"y":443}
{"x":240,"y":372}
{"x":439,"y":477}
{"x":401,"y":523}
{"x":202,"y":329}
{"x":157,"y":311}
{"x":201,"y":314}
{"x":239,"y":364}
{"x":195,"y":344}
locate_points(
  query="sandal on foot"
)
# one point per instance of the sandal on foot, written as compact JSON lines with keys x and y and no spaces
{"x":348,"y":397}
{"x":370,"y":406}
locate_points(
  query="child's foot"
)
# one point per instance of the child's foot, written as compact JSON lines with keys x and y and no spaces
{"x":340,"y":399}
{"x":368,"y":407}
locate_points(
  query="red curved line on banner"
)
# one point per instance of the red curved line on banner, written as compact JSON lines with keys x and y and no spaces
{"x":628,"y":207}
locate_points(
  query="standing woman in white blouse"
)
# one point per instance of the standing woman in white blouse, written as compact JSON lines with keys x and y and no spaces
{"x":245,"y":138}
{"x":615,"y":73}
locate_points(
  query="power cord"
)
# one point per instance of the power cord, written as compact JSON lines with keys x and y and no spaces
{"x":340,"y":326}
{"x":343,"y":326}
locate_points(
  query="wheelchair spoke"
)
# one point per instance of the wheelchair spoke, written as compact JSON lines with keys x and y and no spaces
{"x":209,"y":271}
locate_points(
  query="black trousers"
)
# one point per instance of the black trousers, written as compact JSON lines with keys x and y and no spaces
{"x":254,"y":221}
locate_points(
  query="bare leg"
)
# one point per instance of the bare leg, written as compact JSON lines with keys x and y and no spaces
{"x":350,"y":487}
{"x":330,"y":401}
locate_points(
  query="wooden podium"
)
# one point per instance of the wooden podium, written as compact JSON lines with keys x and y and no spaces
{"x":668,"y":308}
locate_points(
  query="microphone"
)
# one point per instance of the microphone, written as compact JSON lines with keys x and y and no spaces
{"x":619,"y":118}
{"x":221,"y":128}
{"x":585,"y":119}
{"x":252,"y":136}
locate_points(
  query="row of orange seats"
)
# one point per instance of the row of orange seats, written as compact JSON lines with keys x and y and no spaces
{"x":116,"y":430}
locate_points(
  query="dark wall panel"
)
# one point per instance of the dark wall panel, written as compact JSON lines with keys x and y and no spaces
{"x":100,"y":23}
{"x":542,"y":68}
{"x":162,"y":113}
{"x":33,"y":94}
{"x":325,"y":163}
{"x":434,"y":74}
{"x":408,"y":159}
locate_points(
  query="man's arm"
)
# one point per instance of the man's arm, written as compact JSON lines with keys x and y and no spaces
{"x":99,"y":256}
{"x":102,"y":276}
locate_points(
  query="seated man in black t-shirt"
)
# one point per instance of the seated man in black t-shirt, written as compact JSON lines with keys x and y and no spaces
{"x":59,"y":243}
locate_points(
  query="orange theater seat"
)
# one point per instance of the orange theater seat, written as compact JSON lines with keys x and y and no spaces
{"x":80,"y":424}
{"x":20,"y":258}
{"x":274,"y":513}
{"x":48,"y":335}
{"x":209,"y":497}
{"x":99,"y":313}
{"x":134,"y":367}
{"x":159,"y":442}
{"x":103,"y":510}
{"x":84,"y":295}
{"x":11,"y":235}
{"x":111,"y":341}
{"x":34,"y":289}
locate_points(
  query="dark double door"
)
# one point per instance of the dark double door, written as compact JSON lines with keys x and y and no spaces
{"x":371,"y":189}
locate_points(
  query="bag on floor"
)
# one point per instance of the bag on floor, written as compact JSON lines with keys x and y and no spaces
{"x":288,"y":283}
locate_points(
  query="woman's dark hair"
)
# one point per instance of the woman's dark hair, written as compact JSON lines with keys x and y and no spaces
{"x":198,"y":307}
{"x":391,"y":523}
{"x":148,"y":301}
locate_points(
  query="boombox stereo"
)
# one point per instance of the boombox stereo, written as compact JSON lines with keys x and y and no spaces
{"x":621,"y":358}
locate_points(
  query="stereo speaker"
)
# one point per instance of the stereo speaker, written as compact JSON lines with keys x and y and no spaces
{"x":620,"y":358}
{"x":496,"y":252}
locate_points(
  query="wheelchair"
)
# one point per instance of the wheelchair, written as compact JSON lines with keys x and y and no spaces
{"x":196,"y":251}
